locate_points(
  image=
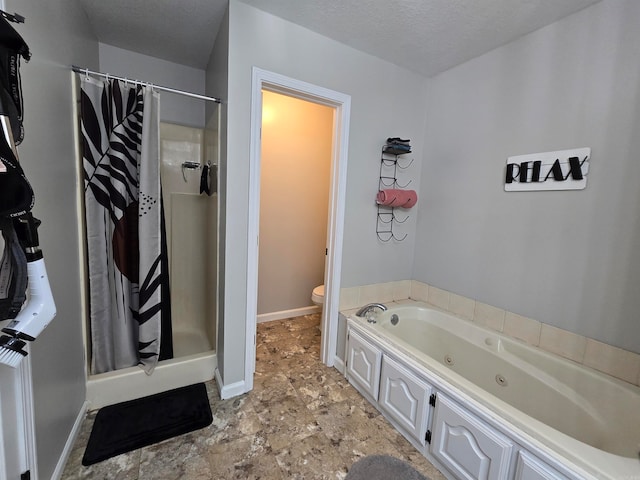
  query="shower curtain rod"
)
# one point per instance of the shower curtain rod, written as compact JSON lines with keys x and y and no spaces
{"x":86,"y":71}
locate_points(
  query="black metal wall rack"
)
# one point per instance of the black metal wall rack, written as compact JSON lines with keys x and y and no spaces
{"x":392,"y":163}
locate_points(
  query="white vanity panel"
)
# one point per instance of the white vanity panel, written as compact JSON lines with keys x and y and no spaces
{"x":532,"y":468}
{"x":405,"y":398}
{"x":468,"y":447}
{"x":363,"y":364}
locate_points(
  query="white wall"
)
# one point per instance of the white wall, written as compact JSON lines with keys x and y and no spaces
{"x":385,"y":101}
{"x":569,"y":259}
{"x":217,"y":85}
{"x":173,"y":108}
{"x":295,"y":165}
{"x":58,"y":34}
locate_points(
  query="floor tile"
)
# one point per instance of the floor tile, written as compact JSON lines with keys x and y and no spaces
{"x":246,"y":458}
{"x":286,"y":420}
{"x":232,"y":419}
{"x":179,"y":458}
{"x":121,"y":467}
{"x":341,"y":421}
{"x":312,"y":458}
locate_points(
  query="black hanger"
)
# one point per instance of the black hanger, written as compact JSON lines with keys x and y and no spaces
{"x":12,"y":17}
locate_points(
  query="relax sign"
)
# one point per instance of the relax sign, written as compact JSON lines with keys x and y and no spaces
{"x":561,"y":170}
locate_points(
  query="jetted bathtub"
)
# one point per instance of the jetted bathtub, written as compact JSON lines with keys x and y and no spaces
{"x":580,"y":415}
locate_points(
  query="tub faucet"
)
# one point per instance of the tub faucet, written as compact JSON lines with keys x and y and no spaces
{"x":368,"y":309}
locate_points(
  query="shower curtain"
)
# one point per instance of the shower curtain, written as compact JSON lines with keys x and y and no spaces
{"x":128,"y":270}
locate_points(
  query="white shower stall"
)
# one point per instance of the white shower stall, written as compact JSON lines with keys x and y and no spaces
{"x":191,"y":222}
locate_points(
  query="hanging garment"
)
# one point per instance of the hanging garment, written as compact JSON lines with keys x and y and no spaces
{"x":205,"y":180}
{"x":16,"y":194}
{"x":13,"y":272}
{"x":127,"y":270}
{"x":208,"y":179}
{"x":12,"y":47}
{"x":16,"y":199}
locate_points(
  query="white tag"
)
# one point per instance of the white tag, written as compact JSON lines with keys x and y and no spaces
{"x":561,"y":170}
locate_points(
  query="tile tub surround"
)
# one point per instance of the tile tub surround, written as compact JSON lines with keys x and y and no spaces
{"x":605,"y":358}
{"x":302,"y":420}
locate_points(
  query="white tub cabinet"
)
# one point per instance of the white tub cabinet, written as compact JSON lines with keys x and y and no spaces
{"x":405,"y":398}
{"x":532,"y":468}
{"x":468,"y":447}
{"x":462,"y":440}
{"x":363,"y":364}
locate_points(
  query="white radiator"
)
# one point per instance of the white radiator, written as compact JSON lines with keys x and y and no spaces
{"x":17,"y":428}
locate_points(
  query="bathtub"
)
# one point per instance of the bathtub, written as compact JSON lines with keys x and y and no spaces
{"x":589,"y":419}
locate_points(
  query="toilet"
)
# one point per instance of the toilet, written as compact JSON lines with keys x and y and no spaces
{"x":317,"y":296}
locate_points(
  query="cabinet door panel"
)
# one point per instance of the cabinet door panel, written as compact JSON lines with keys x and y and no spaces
{"x":363,"y":364}
{"x":468,"y":447}
{"x":405,"y":398}
{"x":532,"y":468}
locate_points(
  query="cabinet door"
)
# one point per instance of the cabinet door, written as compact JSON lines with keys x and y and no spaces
{"x":405,"y":398}
{"x":363,"y":364}
{"x":466,"y":446}
{"x":532,"y":468}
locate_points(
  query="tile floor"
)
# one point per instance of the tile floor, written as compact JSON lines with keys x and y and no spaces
{"x":302,"y":420}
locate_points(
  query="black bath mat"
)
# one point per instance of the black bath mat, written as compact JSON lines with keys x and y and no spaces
{"x":137,"y":423}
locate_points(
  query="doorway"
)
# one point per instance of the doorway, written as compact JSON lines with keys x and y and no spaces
{"x":341,"y":105}
{"x":296,"y":145}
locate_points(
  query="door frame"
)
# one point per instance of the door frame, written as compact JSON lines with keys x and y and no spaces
{"x":341,"y":103}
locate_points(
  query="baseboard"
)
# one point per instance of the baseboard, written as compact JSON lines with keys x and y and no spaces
{"x":71,"y":440}
{"x":296,"y":312}
{"x":231,"y":390}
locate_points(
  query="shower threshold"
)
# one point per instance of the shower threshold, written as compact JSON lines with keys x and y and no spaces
{"x":131,"y":383}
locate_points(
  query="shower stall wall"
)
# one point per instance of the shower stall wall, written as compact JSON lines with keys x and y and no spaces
{"x":190,"y":218}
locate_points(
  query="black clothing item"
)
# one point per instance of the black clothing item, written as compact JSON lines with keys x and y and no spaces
{"x":16,"y":194}
{"x":12,"y":47}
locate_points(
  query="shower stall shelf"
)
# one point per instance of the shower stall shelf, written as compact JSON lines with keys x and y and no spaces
{"x":392,"y":164}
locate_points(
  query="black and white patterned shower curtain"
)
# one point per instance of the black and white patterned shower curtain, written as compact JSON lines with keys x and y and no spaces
{"x":128,"y":274}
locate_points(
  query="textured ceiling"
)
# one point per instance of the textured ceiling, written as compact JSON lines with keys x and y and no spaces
{"x":180,"y":31}
{"x":426,"y":36}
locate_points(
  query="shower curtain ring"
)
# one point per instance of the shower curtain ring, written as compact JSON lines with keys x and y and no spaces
{"x":86,"y":74}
